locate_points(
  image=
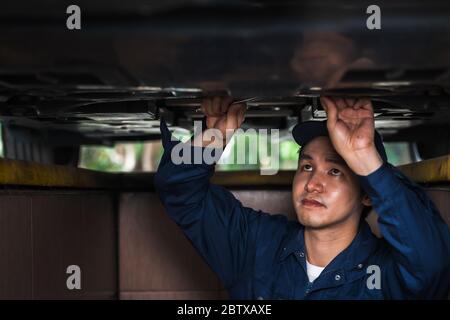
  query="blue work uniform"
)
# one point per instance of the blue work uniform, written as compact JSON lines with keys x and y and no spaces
{"x":261,"y":256}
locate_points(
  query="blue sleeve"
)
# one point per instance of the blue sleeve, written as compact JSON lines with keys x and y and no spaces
{"x":418,"y":237}
{"x":219,"y":227}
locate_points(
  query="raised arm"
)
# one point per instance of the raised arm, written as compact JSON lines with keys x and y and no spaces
{"x":418,"y":238}
{"x":220,"y":228}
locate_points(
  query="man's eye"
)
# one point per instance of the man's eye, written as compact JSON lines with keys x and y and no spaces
{"x":335,"y":172}
{"x":307,"y":167}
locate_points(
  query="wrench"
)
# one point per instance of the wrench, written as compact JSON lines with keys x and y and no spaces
{"x":234,"y":102}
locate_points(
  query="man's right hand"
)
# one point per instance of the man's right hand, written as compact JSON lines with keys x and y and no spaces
{"x":223,"y":115}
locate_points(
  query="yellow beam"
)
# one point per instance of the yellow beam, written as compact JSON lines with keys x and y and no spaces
{"x":432,"y":170}
{"x":23,"y":173}
{"x":15,"y":172}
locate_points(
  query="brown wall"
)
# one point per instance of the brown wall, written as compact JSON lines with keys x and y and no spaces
{"x":158,"y":262}
{"x":42,"y":233}
{"x":441,"y":198}
{"x":147,"y":257}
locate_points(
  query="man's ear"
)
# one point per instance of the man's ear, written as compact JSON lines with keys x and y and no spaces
{"x":366,"y":200}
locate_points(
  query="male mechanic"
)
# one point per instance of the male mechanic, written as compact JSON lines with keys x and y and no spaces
{"x":330,"y":253}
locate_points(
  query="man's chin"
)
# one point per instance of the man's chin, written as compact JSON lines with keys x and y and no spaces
{"x":316,"y":225}
{"x":318,"y":222}
{"x":314,"y":222}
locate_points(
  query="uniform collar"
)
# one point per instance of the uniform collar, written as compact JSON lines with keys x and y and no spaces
{"x":353,"y":256}
{"x":347,"y":266}
{"x":294,"y":242}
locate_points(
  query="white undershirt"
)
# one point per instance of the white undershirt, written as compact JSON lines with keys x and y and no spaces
{"x":313,"y":271}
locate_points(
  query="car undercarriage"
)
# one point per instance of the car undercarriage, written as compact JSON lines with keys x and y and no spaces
{"x":131,"y":63}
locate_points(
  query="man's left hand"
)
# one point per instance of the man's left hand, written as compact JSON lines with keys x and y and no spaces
{"x":351,"y":128}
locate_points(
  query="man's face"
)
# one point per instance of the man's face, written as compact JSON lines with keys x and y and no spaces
{"x":325,"y":191}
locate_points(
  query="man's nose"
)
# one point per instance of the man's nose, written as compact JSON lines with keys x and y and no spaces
{"x":314,"y":184}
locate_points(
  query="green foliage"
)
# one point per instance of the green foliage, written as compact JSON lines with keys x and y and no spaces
{"x":110,"y":159}
{"x":99,"y":158}
{"x":398,"y":153}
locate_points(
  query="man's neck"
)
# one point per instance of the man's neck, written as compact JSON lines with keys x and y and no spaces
{"x":323,"y":245}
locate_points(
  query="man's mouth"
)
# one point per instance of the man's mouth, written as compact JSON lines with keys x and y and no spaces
{"x":311,"y":203}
